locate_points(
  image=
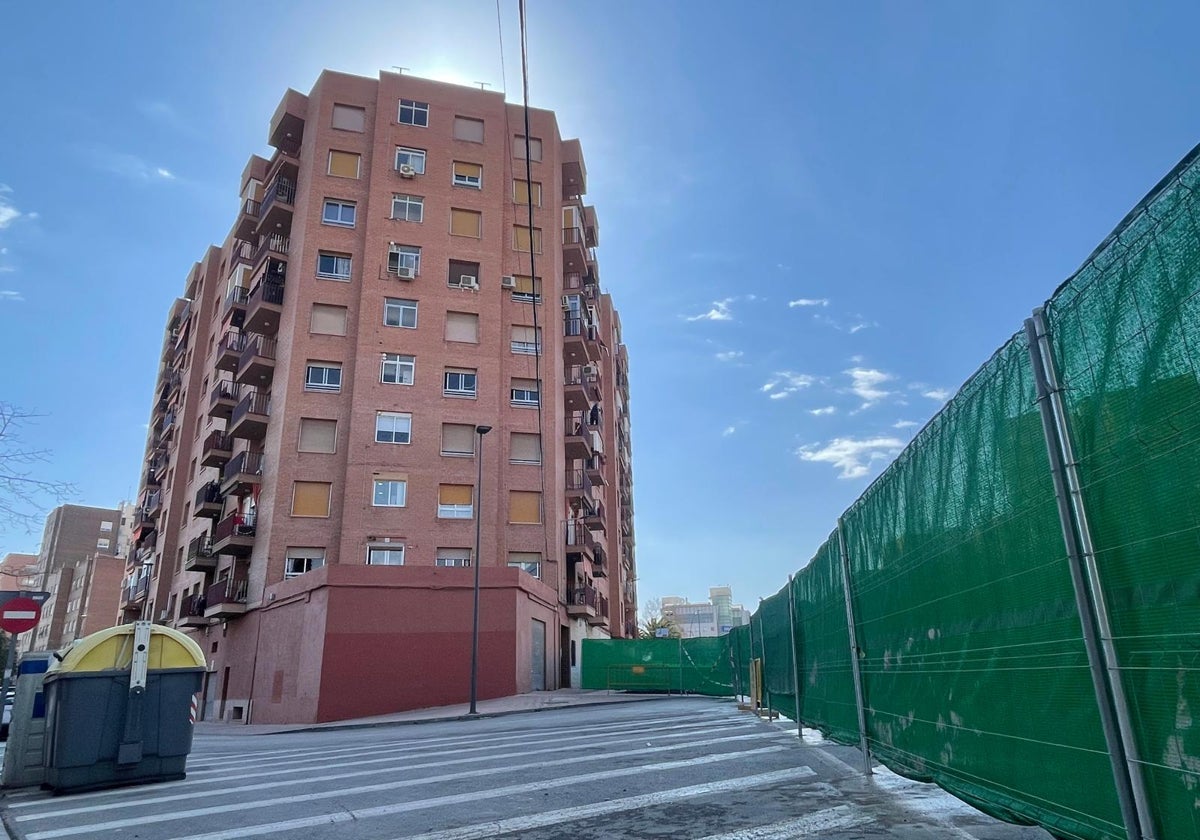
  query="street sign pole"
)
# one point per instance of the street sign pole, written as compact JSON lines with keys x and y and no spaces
{"x":9,"y":664}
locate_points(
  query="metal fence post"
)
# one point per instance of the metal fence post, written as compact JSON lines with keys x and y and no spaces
{"x":855,"y":666}
{"x":795,"y":658}
{"x":762,"y":638}
{"x":1114,"y":718}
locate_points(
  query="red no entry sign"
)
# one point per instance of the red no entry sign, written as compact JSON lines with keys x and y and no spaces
{"x":20,"y":615}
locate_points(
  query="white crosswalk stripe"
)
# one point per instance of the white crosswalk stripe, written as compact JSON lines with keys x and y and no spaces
{"x":812,"y":825}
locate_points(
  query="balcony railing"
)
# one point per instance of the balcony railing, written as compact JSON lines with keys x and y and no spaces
{"x":192,"y":607}
{"x":578,"y":483}
{"x":247,"y":463}
{"x":200,"y":547}
{"x":576,"y":326}
{"x":275,"y":243}
{"x":589,"y":597}
{"x":237,"y":524}
{"x":223,"y":593}
{"x":282,"y":190}
{"x":209,"y":494}
{"x":254,"y":402}
{"x":578,"y":535}
{"x":251,"y":208}
{"x":258,"y":345}
{"x":268,"y":290}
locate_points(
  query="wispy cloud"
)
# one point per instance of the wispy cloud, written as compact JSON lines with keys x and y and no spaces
{"x":859,"y":326}
{"x":729,"y":355}
{"x":8,"y":211}
{"x":792,"y":304}
{"x":939,"y":394}
{"x":785,"y":383}
{"x":853,"y":456}
{"x":719,"y":312}
{"x":128,"y":165}
{"x":822,"y":412}
{"x":867,"y":382}
{"x":905,"y":424}
{"x":729,"y":431}
{"x":11,"y":296}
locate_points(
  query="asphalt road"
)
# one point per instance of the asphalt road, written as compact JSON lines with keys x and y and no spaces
{"x":685,"y":768}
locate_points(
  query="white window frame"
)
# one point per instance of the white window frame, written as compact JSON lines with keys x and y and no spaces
{"x":408,"y":202}
{"x":394,"y":364}
{"x":524,"y":348}
{"x":339,"y":260}
{"x":308,"y":564}
{"x":417,"y":108}
{"x":385,"y":548}
{"x":412,"y":157}
{"x":456,"y":511}
{"x":103,"y":543}
{"x":341,"y":206}
{"x":322,"y":387}
{"x":475,"y":182}
{"x":392,"y":424}
{"x":454,"y":562}
{"x":461,"y":390}
{"x":399,"y":492}
{"x":525,"y":565}
{"x":521,"y":397}
{"x":402,"y":306}
{"x":106,"y":527}
{"x":405,"y":255}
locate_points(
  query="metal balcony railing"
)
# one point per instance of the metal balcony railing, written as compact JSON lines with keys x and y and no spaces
{"x":254,"y":402}
{"x":251,"y":208}
{"x":200,"y":547}
{"x":229,"y":591}
{"x":237,"y":524}
{"x":210,"y":493}
{"x":225,"y":389}
{"x":578,"y":535}
{"x":578,"y":482}
{"x":282,"y":190}
{"x":268,"y":290}
{"x":244,"y":462}
{"x":275,"y":243}
{"x":233,"y":341}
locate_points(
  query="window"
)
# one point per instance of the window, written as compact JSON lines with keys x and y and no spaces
{"x":458,"y":439}
{"x":391,"y":427}
{"x":525,"y":448}
{"x":327,"y":319}
{"x":521,"y":191}
{"x":535,"y":147}
{"x":524,"y":340}
{"x":459,"y":383}
{"x":526,"y":561}
{"x":524,"y":507}
{"x":398,"y":312}
{"x":397,"y":369}
{"x":389,"y":492}
{"x":468,"y":129}
{"x":468,"y":175}
{"x":408,"y":208}
{"x":413,"y":113}
{"x":317,"y":435}
{"x":344,"y":164}
{"x":310,"y":498}
{"x":455,"y":501}
{"x":521,"y":238}
{"x":349,"y":117}
{"x":453,"y":558}
{"x":524,"y":392}
{"x":404,"y":260}
{"x":104,"y":543}
{"x":414,"y":158}
{"x":463,"y":274}
{"x":301,"y":560}
{"x":462,"y":326}
{"x":334,"y":266}
{"x":527,"y":289}
{"x":106,"y":526}
{"x":338,"y":213}
{"x":385,"y":555}
{"x":466,"y":223}
{"x":323,"y":376}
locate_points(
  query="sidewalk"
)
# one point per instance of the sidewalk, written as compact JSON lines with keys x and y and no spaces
{"x":538,"y":701}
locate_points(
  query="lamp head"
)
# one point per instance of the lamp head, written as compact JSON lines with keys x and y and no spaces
{"x":482,"y":430}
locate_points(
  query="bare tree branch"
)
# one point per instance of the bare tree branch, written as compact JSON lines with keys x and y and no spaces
{"x":24,"y":493}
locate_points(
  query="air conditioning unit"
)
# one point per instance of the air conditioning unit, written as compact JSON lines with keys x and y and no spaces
{"x":406,"y":171}
{"x":591,"y":370}
{"x":405,"y":272}
{"x":508,"y":282}
{"x":468,"y":281}
{"x":566,"y":302}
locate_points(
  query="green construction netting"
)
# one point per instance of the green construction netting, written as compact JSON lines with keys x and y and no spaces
{"x":974,"y":668}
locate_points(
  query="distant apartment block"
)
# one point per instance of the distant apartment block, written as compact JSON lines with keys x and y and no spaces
{"x":89,"y":592}
{"x":715,"y":617}
{"x":18,"y":572}
{"x":310,"y":494}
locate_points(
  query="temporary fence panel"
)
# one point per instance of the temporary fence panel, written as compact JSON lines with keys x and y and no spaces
{"x":778,"y":647}
{"x":694,"y":666}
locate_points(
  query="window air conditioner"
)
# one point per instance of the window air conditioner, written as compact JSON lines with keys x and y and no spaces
{"x":405,"y":272}
{"x":508,"y":282}
{"x":468,"y":281}
{"x":406,"y":171}
{"x":590,"y":370}
{"x":566,"y":302}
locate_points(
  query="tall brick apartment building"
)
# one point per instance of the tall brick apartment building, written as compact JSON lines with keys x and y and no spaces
{"x":309,"y":499}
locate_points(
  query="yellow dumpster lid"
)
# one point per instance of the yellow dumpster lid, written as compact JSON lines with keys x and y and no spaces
{"x":113,"y":648}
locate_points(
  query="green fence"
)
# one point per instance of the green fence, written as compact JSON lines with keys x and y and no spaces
{"x":977,"y":672}
{"x":691,"y":666}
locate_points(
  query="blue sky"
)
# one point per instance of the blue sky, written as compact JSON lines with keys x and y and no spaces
{"x":817,"y":219}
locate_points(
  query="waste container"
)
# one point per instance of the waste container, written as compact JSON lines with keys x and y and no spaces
{"x":118,"y":708}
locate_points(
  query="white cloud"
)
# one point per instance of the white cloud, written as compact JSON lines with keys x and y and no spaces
{"x":164,"y":173}
{"x":8,"y":213}
{"x":862,"y":325}
{"x":128,"y":166}
{"x":939,"y":394}
{"x":11,"y":296}
{"x":822,"y":412}
{"x":866,"y":382}
{"x":719,"y":312}
{"x":792,"y":304}
{"x":3,"y":252}
{"x":6,"y":269}
{"x":785,"y":383}
{"x":729,"y":431}
{"x":904,"y":424}
{"x":852,"y":456}
{"x":729,"y":355}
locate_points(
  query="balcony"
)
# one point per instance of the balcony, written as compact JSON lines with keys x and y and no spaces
{"x":225,"y":397}
{"x":594,"y":517}
{"x":240,"y":253}
{"x":256,"y":365}
{"x":579,"y":486}
{"x":579,"y":439}
{"x":600,"y":563}
{"x":574,"y":172}
{"x":581,"y":340}
{"x":191,"y":612}
{"x":579,"y":540}
{"x":242,"y":474}
{"x":234,"y":313}
{"x":200,"y":556}
{"x":587,"y":603}
{"x":287,"y":123}
{"x":226,"y":598}
{"x":229,"y":349}
{"x":153,"y":505}
{"x":208,"y":501}
{"x":582,"y":387}
{"x":594,"y":469}
{"x":591,"y":230}
{"x":152,"y":479}
{"x":264,"y":307}
{"x":278,"y":205}
{"x":574,"y":250}
{"x":249,"y":419}
{"x":275,"y":245}
{"x":234,"y":535}
{"x":247,"y":220}
{"x":135,"y":593}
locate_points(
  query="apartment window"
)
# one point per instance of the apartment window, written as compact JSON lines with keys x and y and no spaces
{"x":466,"y":223}
{"x":522,"y":189}
{"x":327,"y":319}
{"x":527,"y":289}
{"x":391,"y":427}
{"x":522,"y":237}
{"x":468,"y":129}
{"x":391,"y":554}
{"x":389,"y":492}
{"x":456,"y":558}
{"x":323,"y":376}
{"x":459,"y":383}
{"x":462,"y":326}
{"x":455,"y":501}
{"x":404,"y":260}
{"x":334,"y":266}
{"x":339,"y":213}
{"x":527,"y":561}
{"x":468,"y":175}
{"x":398,"y":369}
{"x":398,"y":312}
{"x":344,"y":164}
{"x":524,"y":340}
{"x":104,"y":543}
{"x":299,"y":560}
{"x":408,"y":208}
{"x":524,"y":507}
{"x":414,"y":158}
{"x":463,"y":274}
{"x":106,"y":526}
{"x":317,"y":435}
{"x":524,"y":392}
{"x":311,"y":498}
{"x":349,"y":118}
{"x":525,"y":448}
{"x":535,"y":147}
{"x":458,"y":439}
{"x":413,"y":113}
{"x":192,"y":471}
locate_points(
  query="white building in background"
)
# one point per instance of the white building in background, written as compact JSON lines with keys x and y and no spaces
{"x":714,"y":617}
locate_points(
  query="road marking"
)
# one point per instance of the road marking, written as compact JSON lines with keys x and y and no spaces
{"x":612,"y":806}
{"x":347,"y":815}
{"x":843,"y":816}
{"x":426,"y":780}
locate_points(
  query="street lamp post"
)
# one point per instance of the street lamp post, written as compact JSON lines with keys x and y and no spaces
{"x":480,"y":431}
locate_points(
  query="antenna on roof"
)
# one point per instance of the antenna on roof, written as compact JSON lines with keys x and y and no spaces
{"x":399,"y":69}
{"x":483,"y":85}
